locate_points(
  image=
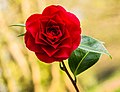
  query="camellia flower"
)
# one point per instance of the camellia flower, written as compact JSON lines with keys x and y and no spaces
{"x":53,"y":35}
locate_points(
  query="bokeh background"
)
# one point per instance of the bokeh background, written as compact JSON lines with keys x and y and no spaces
{"x":21,"y":71}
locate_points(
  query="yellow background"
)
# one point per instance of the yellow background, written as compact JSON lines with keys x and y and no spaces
{"x":21,"y":71}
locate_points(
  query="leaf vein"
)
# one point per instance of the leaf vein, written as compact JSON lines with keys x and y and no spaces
{"x":80,"y":63}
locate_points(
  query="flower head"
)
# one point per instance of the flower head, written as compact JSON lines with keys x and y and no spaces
{"x":53,"y":35}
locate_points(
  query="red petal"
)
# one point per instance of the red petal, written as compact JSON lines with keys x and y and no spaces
{"x":76,"y":42}
{"x":30,"y":43}
{"x":42,"y":41}
{"x":52,"y":10}
{"x":33,"y":24}
{"x":73,"y":19}
{"x":51,"y":23}
{"x":73,"y":26}
{"x":63,"y":53}
{"x":58,"y":19}
{"x":39,"y":41}
{"x":66,"y":43}
{"x":33,"y":17}
{"x":45,"y":58}
{"x":45,"y":42}
{"x":49,"y":50}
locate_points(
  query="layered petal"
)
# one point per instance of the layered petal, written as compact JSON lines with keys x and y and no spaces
{"x":66,"y":43}
{"x":30,"y":43}
{"x":36,"y":23}
{"x":52,"y":10}
{"x":73,"y":25}
{"x":45,"y":58}
{"x":53,"y":35}
{"x":50,"y":51}
{"x":33,"y":24}
{"x":63,"y":53}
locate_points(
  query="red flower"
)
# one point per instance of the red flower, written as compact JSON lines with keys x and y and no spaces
{"x":53,"y":35}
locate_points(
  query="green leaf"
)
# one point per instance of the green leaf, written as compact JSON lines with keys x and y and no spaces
{"x":21,"y":25}
{"x":86,"y":55}
{"x":21,"y":35}
{"x":80,"y":60}
{"x":93,"y":45}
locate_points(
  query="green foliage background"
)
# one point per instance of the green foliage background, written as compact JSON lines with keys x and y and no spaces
{"x":21,"y":71}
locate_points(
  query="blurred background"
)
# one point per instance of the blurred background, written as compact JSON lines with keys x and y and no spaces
{"x":21,"y":71}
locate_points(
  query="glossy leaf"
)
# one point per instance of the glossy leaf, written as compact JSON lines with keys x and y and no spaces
{"x":93,"y":45}
{"x":81,"y":60}
{"x":86,"y":55}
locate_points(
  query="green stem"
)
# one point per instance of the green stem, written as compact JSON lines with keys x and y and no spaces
{"x":68,"y":74}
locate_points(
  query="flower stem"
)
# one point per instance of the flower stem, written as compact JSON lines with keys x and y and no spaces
{"x":68,"y":74}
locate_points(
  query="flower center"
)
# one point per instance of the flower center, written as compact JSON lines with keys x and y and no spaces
{"x":53,"y":33}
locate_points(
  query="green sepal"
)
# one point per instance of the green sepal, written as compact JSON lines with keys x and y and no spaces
{"x":20,"y":25}
{"x":21,"y":35}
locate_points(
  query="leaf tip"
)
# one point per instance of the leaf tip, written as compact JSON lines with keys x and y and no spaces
{"x":110,"y":56}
